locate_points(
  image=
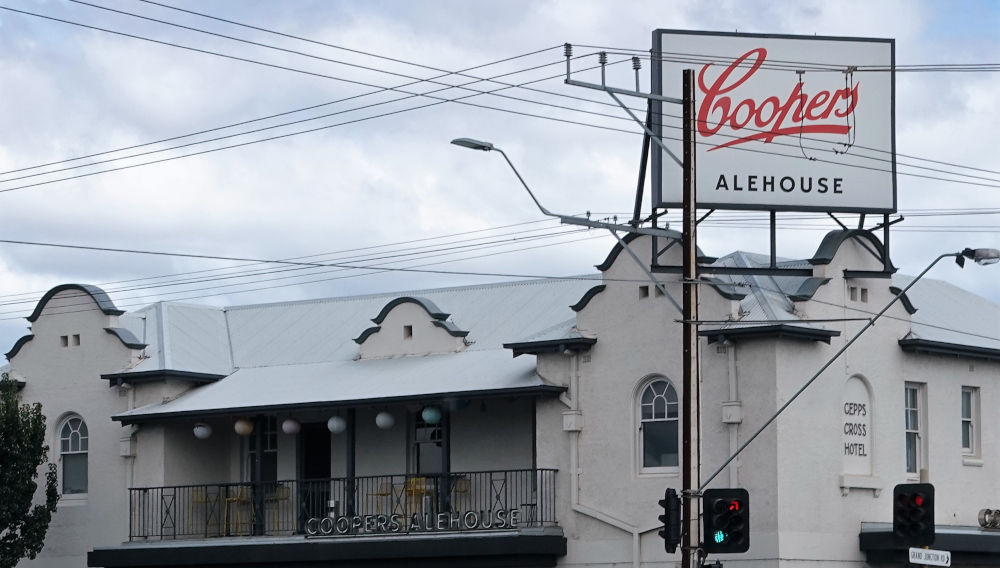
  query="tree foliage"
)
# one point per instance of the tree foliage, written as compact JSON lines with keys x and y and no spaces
{"x":22,"y":451}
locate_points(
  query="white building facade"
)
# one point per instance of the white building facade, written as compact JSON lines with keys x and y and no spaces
{"x":533,"y":423}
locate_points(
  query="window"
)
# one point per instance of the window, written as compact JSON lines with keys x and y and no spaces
{"x":658,"y":425}
{"x":970,"y":421}
{"x":269,"y":441}
{"x":914,"y":425}
{"x":428,"y":454}
{"x":73,"y":447}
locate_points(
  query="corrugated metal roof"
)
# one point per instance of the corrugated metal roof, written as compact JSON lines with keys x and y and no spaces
{"x":767,"y":297}
{"x":303,"y":353}
{"x":949,"y":314}
{"x":219,"y":340}
{"x":343,"y":382}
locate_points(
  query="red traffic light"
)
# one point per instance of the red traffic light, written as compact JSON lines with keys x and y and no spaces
{"x":735,"y":505}
{"x":918,"y":500}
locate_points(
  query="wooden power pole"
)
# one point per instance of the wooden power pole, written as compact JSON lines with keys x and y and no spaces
{"x":691,"y":455}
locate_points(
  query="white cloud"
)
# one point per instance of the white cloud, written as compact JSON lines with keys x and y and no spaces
{"x":395,"y":179}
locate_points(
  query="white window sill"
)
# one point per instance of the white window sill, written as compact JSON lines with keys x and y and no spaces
{"x":661,"y":472}
{"x":72,"y":499}
{"x":972,"y":461}
{"x":849,"y":481}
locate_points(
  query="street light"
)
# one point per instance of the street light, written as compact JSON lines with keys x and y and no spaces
{"x":981,"y":256}
{"x":474,"y":144}
{"x":486,"y":147}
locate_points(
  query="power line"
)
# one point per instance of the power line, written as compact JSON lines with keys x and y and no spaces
{"x":936,"y":178}
{"x":303,"y":109}
{"x":402,"y":255}
{"x":372,"y":270}
{"x":417,"y":80}
{"x":792,"y":65}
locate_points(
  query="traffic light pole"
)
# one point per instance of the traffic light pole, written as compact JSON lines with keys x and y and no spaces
{"x":691,"y":458}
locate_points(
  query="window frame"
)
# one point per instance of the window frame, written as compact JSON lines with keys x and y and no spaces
{"x":422,"y":434}
{"x":640,"y":432}
{"x":915,"y":431}
{"x":269,"y":467}
{"x":971,"y":420}
{"x":83,"y":448}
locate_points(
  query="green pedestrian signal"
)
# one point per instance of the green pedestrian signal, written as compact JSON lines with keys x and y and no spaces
{"x":726,"y":520}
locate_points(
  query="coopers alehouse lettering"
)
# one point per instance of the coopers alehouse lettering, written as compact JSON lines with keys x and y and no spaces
{"x":776,"y":134}
{"x":800,"y":113}
{"x":418,"y":522}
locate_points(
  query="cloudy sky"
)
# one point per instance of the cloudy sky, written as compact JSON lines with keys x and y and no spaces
{"x":244,"y":131}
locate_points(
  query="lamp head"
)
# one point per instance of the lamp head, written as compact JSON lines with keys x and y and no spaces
{"x":474,"y":144}
{"x":981,"y":256}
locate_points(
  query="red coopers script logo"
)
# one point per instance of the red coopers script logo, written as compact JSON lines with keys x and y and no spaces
{"x":769,"y":118}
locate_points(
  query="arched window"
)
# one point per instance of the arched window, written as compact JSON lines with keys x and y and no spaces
{"x":73,"y":447}
{"x":658,"y":425}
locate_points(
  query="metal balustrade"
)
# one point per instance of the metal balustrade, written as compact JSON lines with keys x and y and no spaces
{"x":380,"y":504}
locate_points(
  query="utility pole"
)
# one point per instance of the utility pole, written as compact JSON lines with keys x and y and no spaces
{"x":691,"y":456}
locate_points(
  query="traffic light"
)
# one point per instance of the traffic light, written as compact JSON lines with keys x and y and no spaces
{"x":671,"y":519}
{"x":726,"y":520}
{"x":913,"y":514}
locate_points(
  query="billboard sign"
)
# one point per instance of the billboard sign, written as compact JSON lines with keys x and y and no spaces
{"x":785,"y":123}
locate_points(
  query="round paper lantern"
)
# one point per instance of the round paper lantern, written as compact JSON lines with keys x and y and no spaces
{"x":336,"y":424}
{"x":243,"y":427}
{"x":431,"y":414}
{"x":384,"y":420}
{"x":291,"y":426}
{"x":202,"y":430}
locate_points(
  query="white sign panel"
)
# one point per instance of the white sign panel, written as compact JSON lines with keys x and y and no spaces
{"x":788,"y":123}
{"x":856,"y":432}
{"x":930,"y":557}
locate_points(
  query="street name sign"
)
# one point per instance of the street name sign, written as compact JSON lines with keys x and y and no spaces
{"x":930,"y":557}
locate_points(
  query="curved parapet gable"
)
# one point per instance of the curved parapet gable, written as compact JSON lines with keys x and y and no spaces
{"x":426,"y":304}
{"x":451,"y":328}
{"x":99,"y":296}
{"x":18,"y":345}
{"x":366,"y":334}
{"x":127,"y":338}
{"x":674,"y":237}
{"x":807,"y":289}
{"x":587,"y":297}
{"x":728,"y":290}
{"x":834,"y":239}
{"x":904,"y":299}
{"x":410,"y":325}
{"x":617,"y":250}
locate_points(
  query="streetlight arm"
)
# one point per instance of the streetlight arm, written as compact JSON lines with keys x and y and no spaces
{"x":567,"y":219}
{"x":871,"y":322}
{"x":521,"y":179}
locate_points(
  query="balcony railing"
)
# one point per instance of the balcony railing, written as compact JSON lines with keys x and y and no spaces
{"x":383,"y":504}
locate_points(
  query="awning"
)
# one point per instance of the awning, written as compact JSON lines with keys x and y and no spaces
{"x":967,"y":545}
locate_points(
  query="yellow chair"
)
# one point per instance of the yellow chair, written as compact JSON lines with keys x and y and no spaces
{"x":415,"y":490}
{"x":203,"y":507}
{"x":461,"y":487}
{"x":274,"y":501}
{"x":383,"y":492}
{"x":240,"y":499}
